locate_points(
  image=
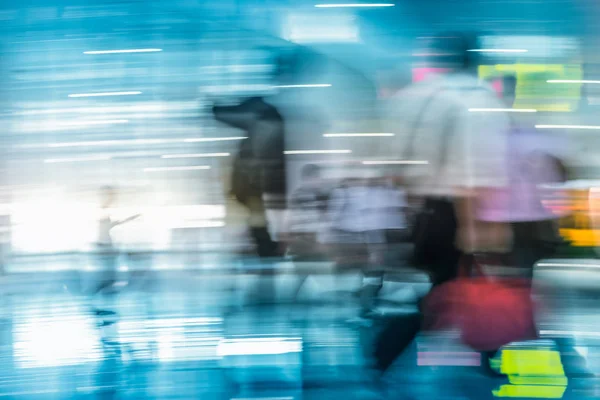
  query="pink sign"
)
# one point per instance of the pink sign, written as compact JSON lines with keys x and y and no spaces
{"x":419,"y":74}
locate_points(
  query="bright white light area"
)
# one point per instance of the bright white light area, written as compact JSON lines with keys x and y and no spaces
{"x":68,"y":340}
{"x":267,"y":346}
{"x":188,"y":168}
{"x":317,"y":152}
{"x":214,"y":139}
{"x":396,"y":162}
{"x":307,"y":85}
{"x":357,"y":134}
{"x":499,"y":50}
{"x":570,"y":81}
{"x":52,"y":222}
{"x":55,"y":222}
{"x":124,"y":51}
{"x":199,"y":155}
{"x":354,"y":5}
{"x":76,"y":159}
{"x":510,"y":110}
{"x":593,"y":127}
{"x":200,"y":224}
{"x":105,"y":94}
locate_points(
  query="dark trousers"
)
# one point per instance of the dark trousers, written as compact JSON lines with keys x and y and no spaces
{"x":438,"y":255}
{"x":265,"y":246}
{"x":437,"y":252}
{"x":533,"y":241}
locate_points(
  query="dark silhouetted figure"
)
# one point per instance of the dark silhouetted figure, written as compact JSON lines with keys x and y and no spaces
{"x":258,"y":179}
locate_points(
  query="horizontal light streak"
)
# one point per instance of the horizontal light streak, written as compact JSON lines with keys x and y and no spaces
{"x":123,"y":51}
{"x":357,"y":134}
{"x":499,"y":50}
{"x":306,"y":85}
{"x":510,"y":110}
{"x":396,"y":162}
{"x":291,"y":152}
{"x":592,"y":127}
{"x":188,"y":168}
{"x":129,"y":142}
{"x":109,"y":143}
{"x":354,"y":5}
{"x":198,"y":155}
{"x":76,"y":159}
{"x":214,"y":139}
{"x":106,"y":94}
{"x":97,"y":122}
{"x":570,"y":81}
{"x":256,"y":346}
{"x":568,"y":265}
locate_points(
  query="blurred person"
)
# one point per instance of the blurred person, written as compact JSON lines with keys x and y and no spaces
{"x":533,"y":160}
{"x":106,"y":251}
{"x":461,"y":154}
{"x":5,"y":243}
{"x":391,"y":209}
{"x":364,"y":214}
{"x":259,"y":167}
{"x":306,"y":215}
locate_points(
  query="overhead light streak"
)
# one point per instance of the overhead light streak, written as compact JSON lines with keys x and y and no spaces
{"x":188,"y":168}
{"x":133,"y":142}
{"x":214,"y":139}
{"x":110,"y":143}
{"x":510,"y":110}
{"x":396,"y":162}
{"x":499,"y":50}
{"x":105,"y":94}
{"x":291,"y":152}
{"x":358,"y":135}
{"x":307,"y":85}
{"x":124,"y":51}
{"x":571,"y":81}
{"x":199,"y":155}
{"x":76,"y":159}
{"x":97,"y":122}
{"x":354,"y":5}
{"x":258,"y":346}
{"x":590,"y":127}
{"x":568,"y":265}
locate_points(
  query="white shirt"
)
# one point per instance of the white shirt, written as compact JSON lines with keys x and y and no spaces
{"x":105,"y":225}
{"x":367,"y":208}
{"x":463,"y":148}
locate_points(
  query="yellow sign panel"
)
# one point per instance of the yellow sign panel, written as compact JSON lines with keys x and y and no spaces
{"x":533,"y":89}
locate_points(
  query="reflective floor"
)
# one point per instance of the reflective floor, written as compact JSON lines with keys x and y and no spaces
{"x":211,"y":335}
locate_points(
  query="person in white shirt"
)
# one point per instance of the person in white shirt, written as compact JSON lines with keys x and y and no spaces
{"x":451,"y":128}
{"x":451,"y":139}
